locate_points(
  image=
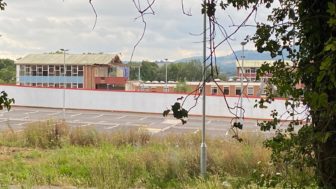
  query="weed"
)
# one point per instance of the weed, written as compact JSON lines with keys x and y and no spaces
{"x":46,"y":134}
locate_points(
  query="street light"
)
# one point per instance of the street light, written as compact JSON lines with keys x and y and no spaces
{"x":203,"y":154}
{"x":64,"y":50}
{"x":166,"y":75}
{"x":241,"y":81}
{"x":139,"y":72}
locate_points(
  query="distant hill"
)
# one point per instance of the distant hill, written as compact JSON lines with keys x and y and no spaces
{"x":227,"y":63}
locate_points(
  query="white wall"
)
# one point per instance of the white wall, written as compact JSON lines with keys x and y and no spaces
{"x":135,"y":101}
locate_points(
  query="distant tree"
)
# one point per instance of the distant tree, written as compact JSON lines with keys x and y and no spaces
{"x":188,"y":71}
{"x":57,"y":52}
{"x":222,"y":77}
{"x":182,"y":87}
{"x":174,"y":72}
{"x":191,"y":71}
{"x":7,"y":71}
{"x":149,"y":71}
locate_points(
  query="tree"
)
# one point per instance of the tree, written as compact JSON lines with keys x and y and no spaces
{"x":182,"y":87}
{"x":307,"y":30}
{"x":7,"y":71}
{"x":149,"y":71}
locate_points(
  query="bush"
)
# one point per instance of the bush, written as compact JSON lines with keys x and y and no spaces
{"x":45,"y":134}
{"x":81,"y":136}
{"x":133,"y":137}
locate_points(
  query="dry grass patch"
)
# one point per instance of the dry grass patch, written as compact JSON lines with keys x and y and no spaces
{"x":46,"y":134}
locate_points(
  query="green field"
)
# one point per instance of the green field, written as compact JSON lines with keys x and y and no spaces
{"x":51,"y":154}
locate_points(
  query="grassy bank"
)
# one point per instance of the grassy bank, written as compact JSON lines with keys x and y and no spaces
{"x":50,"y":153}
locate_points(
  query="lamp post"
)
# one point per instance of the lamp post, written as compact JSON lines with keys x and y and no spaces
{"x":139,"y":72}
{"x":166,"y":90}
{"x":63,"y":107}
{"x":203,"y":154}
{"x":241,"y":81}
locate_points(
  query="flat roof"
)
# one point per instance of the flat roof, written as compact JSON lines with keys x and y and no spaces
{"x":193,"y":83}
{"x":70,"y":59}
{"x":258,"y":63}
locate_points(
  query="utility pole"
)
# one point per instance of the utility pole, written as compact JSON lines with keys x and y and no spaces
{"x":203,"y":154}
{"x":242,"y":82}
{"x":166,"y":90}
{"x":64,"y":83}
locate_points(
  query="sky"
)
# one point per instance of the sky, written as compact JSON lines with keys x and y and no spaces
{"x":42,"y":26}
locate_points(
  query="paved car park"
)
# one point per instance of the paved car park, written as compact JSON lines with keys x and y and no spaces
{"x":108,"y":121}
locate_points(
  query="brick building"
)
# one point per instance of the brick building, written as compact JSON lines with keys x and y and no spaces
{"x":251,"y":67}
{"x":254,"y":89}
{"x":87,"y":71}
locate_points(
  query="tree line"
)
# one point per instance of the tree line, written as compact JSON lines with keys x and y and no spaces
{"x":152,"y":71}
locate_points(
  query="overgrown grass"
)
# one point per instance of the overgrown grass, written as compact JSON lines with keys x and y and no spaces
{"x":50,"y":153}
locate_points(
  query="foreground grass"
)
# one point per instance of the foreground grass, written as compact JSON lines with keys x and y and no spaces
{"x":49,"y":153}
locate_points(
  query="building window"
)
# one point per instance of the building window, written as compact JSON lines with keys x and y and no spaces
{"x":39,"y":70}
{"x":80,"y":85}
{"x":62,"y":70}
{"x":226,"y":90}
{"x":112,"y":71}
{"x":250,"y":91}
{"x":33,"y":69}
{"x":57,"y":70}
{"x":45,"y":70}
{"x":80,"y":70}
{"x":51,"y":70}
{"x":27,"y":70}
{"x":214,"y":90}
{"x":22,"y":70}
{"x":238,"y":90}
{"x":68,"y":71}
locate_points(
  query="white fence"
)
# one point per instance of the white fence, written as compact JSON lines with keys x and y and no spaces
{"x":136,"y":102}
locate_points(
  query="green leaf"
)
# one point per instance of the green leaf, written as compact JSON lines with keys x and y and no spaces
{"x":331,"y":8}
{"x":323,"y":100}
{"x":320,"y":77}
{"x":326,"y":136}
{"x":330,"y":46}
{"x":326,"y":63}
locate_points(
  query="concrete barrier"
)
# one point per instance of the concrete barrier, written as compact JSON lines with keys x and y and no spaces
{"x":139,"y":102}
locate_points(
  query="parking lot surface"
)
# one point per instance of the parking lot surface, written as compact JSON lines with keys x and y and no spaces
{"x":108,"y":121}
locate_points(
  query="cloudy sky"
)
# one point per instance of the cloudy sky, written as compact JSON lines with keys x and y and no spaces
{"x":47,"y":25}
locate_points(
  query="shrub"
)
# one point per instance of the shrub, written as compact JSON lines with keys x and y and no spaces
{"x":83,"y":136}
{"x":45,"y":134}
{"x":134,"y":137}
